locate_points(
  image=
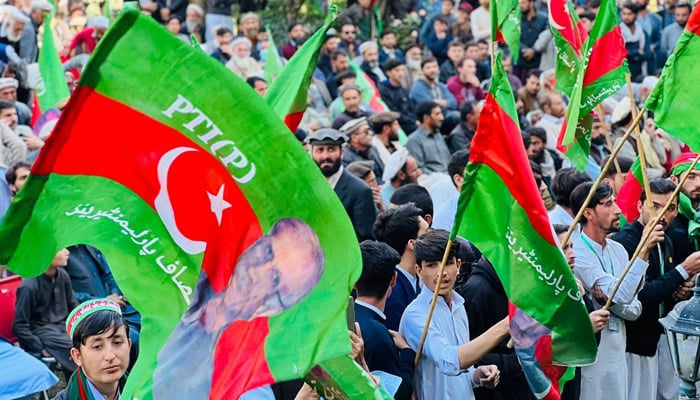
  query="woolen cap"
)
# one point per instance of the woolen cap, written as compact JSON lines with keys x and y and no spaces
{"x":622,"y":109}
{"x":384,"y":117}
{"x":361,"y":168}
{"x":326,"y":136}
{"x":349,"y":128}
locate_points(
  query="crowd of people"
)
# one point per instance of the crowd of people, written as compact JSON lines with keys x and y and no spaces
{"x":400,"y":198}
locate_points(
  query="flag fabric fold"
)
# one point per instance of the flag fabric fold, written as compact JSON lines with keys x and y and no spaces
{"x":238,"y":287}
{"x":630,"y":193}
{"x":273,"y":64}
{"x":570,"y":37}
{"x":287,"y":93}
{"x":675,"y":98}
{"x":505,"y":25}
{"x":550,"y":325}
{"x":52,"y":87}
{"x":601,"y":74}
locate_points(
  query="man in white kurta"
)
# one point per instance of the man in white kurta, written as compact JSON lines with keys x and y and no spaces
{"x":599,"y":264}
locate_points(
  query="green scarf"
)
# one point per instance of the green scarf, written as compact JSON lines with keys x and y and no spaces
{"x":78,"y":388}
{"x":685,"y":208}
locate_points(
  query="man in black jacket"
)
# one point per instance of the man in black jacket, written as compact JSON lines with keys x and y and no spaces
{"x":356,"y":196}
{"x":689,"y":202}
{"x":486,"y":303}
{"x":396,"y":97}
{"x":385,"y":350}
{"x":664,"y":286}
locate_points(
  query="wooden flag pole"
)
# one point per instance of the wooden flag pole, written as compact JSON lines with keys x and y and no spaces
{"x":432,"y":303}
{"x":647,"y":232}
{"x":648,"y":203}
{"x":598,"y":180}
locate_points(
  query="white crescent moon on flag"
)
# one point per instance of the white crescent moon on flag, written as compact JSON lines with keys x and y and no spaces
{"x":551,"y":18}
{"x":165,"y":209}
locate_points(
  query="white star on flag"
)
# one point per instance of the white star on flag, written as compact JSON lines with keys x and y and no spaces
{"x":218,"y":204}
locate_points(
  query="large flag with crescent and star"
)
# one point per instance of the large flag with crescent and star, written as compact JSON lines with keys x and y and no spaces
{"x":599,"y":74}
{"x":220,"y":240}
{"x":549,"y":323}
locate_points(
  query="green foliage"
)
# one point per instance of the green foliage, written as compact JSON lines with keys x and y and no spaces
{"x":404,"y":31}
{"x":280,"y":13}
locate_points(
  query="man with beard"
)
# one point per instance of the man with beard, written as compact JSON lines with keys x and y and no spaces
{"x":8,"y":92}
{"x":359,"y":146}
{"x":400,"y":170}
{"x":535,"y":140}
{"x":684,"y":233}
{"x":348,"y":39}
{"x":528,"y":93}
{"x":461,"y":136}
{"x":370,"y":61}
{"x":28,"y":42}
{"x":324,"y":70}
{"x":249,"y":27}
{"x":12,"y":29}
{"x":385,"y":126}
{"x":665,"y":284}
{"x":396,"y":96}
{"x":554,"y":109}
{"x":356,"y":196}
{"x":635,"y":40}
{"x":241,"y":62}
{"x":339,"y":63}
{"x":194,"y":24}
{"x":296,"y":39}
{"x":599,"y":264}
{"x":426,"y":144}
{"x":671,"y":34}
{"x":351,"y":94}
{"x":430,"y":89}
{"x":599,"y":148}
{"x":223,"y":37}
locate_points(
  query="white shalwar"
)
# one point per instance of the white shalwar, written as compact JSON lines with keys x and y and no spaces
{"x":606,"y":379}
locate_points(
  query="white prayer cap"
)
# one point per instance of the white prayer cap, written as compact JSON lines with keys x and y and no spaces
{"x":99,"y":22}
{"x":195,"y":8}
{"x":16,"y":15}
{"x":8,"y":82}
{"x":367,"y":45}
{"x":621,"y":110}
{"x":394,"y":164}
{"x":41,"y":5}
{"x":241,"y":39}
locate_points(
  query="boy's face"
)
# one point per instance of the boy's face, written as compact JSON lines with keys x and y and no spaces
{"x":428,"y":272}
{"x":104,"y":357}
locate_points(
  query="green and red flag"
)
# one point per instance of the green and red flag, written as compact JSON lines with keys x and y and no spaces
{"x":288,"y":92}
{"x":600,"y":75}
{"x":505,"y":25}
{"x":176,"y":182}
{"x":675,"y":98}
{"x":630,"y":193}
{"x":519,"y":242}
{"x":569,"y":39}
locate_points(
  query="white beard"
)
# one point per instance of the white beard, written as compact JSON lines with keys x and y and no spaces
{"x":11,"y":34}
{"x":191,"y":26}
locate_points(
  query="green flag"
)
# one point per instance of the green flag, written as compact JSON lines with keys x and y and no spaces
{"x":675,"y":98}
{"x":273,"y":64}
{"x":52,"y":87}
{"x":175,"y":181}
